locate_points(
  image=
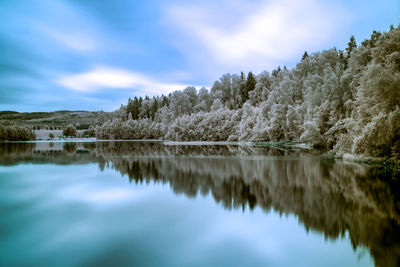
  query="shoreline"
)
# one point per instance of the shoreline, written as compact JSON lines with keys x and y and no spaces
{"x":281,"y":145}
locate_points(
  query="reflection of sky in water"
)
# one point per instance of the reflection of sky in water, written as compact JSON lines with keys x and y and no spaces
{"x":77,"y":215}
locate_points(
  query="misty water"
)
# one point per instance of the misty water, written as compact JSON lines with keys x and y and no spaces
{"x":154,"y":204}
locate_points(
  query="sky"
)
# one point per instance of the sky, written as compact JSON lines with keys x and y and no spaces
{"x":94,"y":55}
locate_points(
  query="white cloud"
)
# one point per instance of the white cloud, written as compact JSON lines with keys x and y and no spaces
{"x":101,"y":78}
{"x":263,"y":36}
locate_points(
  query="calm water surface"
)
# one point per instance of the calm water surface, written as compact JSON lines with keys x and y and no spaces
{"x":150,"y":204}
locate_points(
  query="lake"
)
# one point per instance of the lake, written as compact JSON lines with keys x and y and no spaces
{"x":153,"y":204}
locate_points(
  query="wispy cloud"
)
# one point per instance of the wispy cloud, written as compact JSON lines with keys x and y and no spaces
{"x":77,"y":41}
{"x":50,"y":49}
{"x":69,"y":27}
{"x":268,"y":33}
{"x":101,"y":78}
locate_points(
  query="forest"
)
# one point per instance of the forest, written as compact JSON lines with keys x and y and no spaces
{"x":346,"y":101}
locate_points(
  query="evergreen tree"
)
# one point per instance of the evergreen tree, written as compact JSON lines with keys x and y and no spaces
{"x":351,"y":45}
{"x":247,"y":86}
{"x":250,"y":85}
{"x":133,"y":108}
{"x":242,"y":77}
{"x":154,"y":108}
{"x":305,"y":55}
{"x":276,"y":71}
{"x":242,"y":88}
{"x":343,"y":60}
{"x":165,"y":101}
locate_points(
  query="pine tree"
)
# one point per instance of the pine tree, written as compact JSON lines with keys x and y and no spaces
{"x":242,"y":88}
{"x":129,"y":107}
{"x":250,"y":84}
{"x":305,"y":55}
{"x":351,"y":45}
{"x":165,"y":101}
{"x":276,"y":71}
{"x":343,"y":59}
{"x":154,"y":108}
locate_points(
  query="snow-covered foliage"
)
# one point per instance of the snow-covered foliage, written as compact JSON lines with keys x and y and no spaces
{"x":347,"y":101}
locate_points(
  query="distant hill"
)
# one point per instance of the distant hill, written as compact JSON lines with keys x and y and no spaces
{"x":57,"y":119}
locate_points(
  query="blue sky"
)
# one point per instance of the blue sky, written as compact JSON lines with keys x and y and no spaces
{"x":94,"y":55}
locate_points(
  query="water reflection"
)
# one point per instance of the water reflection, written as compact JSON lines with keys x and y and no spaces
{"x":328,"y":196}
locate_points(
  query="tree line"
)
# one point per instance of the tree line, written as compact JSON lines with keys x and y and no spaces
{"x":344,"y":100}
{"x":12,"y":132}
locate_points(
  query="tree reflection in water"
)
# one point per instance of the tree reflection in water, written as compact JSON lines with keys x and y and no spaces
{"x":328,"y":196}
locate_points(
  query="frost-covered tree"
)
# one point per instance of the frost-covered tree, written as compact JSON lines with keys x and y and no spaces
{"x":180,"y":103}
{"x":204,"y":101}
{"x":343,"y":100}
{"x":261,"y":89}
